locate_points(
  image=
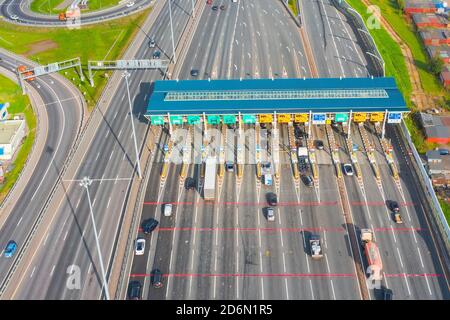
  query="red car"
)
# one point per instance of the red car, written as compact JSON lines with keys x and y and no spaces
{"x":209,"y":2}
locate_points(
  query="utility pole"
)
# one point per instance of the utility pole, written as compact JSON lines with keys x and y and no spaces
{"x":193,"y":13}
{"x":86,"y":182}
{"x":125,"y":75}
{"x":171,"y":31}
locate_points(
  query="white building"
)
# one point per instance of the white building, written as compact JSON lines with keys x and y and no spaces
{"x":11,"y":134}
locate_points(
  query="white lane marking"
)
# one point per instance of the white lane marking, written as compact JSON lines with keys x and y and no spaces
{"x":98,"y":154}
{"x":109,"y":200}
{"x":420,"y":257}
{"x":32,"y":272}
{"x":311,"y":287}
{"x":287,"y":289}
{"x":400,"y":257}
{"x":428,"y":285}
{"x":19,"y":221}
{"x":53,"y":270}
{"x":110,"y":156}
{"x":65,"y":236}
{"x":284,"y":263}
{"x":46,"y":237}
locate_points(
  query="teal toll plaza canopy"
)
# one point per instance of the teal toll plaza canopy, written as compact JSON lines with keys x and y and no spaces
{"x":258,"y":96}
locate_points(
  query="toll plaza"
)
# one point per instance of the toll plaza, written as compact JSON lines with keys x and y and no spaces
{"x":273,"y":103}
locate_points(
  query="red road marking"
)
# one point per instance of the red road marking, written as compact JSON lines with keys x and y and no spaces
{"x":281,"y":204}
{"x":291,"y":275}
{"x":413,"y":275}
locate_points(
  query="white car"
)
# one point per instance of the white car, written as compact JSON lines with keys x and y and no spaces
{"x":270,"y":214}
{"x":140,"y":246}
{"x":348,"y":169}
{"x":130,"y":4}
{"x":14,"y":17}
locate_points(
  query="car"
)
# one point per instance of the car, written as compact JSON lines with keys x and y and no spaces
{"x":308,"y":181}
{"x":134,"y":290}
{"x":398,"y":217}
{"x":14,"y":17}
{"x":156,"y":55}
{"x":393,"y":205}
{"x":208,"y":1}
{"x":223,"y":7}
{"x":443,"y":152}
{"x":215,"y":8}
{"x":149,"y":225}
{"x":319,"y":145}
{"x":167,"y":209}
{"x":130,"y":4}
{"x":139,"y":246}
{"x":229,"y":166}
{"x":387,"y":294}
{"x":272,"y":199}
{"x":348,"y":169}
{"x":270,"y":214}
{"x":194,"y":72}
{"x":10,"y":249}
{"x":189,"y":183}
{"x":234,"y":1}
{"x":152,"y":43}
{"x":157,"y":278}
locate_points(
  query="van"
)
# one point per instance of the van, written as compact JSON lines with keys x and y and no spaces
{"x":167,"y":209}
{"x":268,"y":179}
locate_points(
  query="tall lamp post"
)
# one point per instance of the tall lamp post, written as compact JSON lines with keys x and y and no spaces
{"x":86,"y":182}
{"x":125,"y":75}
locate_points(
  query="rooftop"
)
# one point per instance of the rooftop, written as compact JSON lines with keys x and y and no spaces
{"x":435,"y":126}
{"x":186,"y":97}
{"x":8,"y":130}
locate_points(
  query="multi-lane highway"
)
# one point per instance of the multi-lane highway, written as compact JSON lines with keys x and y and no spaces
{"x":19,"y":12}
{"x":64,"y":111}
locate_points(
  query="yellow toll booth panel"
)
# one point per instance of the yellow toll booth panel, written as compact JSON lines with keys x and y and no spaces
{"x":265,"y":118}
{"x":284,"y":118}
{"x":301,"y":118}
{"x":376,"y":116}
{"x":359,"y":116}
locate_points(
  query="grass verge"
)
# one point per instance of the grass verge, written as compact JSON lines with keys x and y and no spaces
{"x":446,"y":208}
{"x":49,"y":6}
{"x":19,"y":104}
{"x":106,"y":41}
{"x":293,"y":6}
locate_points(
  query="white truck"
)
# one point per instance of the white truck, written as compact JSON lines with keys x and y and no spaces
{"x":315,"y":247}
{"x":209,"y":188}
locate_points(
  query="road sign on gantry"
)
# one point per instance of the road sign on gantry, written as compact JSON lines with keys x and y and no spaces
{"x":249,"y":118}
{"x":301,"y":117}
{"x":176,"y":120}
{"x":229,"y":119}
{"x":319,"y":118}
{"x":157,"y":120}
{"x":193,"y":120}
{"x":376,"y":116}
{"x":284,"y":118}
{"x":265,"y":118}
{"x":359,"y":116}
{"x":341,"y":117}
{"x":394,"y":117}
{"x":213,"y":120}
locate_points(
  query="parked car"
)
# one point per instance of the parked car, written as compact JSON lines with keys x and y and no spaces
{"x":319,"y":145}
{"x":270,"y":214}
{"x":150,"y":225}
{"x":443,"y":152}
{"x":139,"y":246}
{"x":10,"y":249}
{"x":348,"y":169}
{"x":157,"y":278}
{"x":272,"y":199}
{"x":156,"y":55}
{"x":134,"y":290}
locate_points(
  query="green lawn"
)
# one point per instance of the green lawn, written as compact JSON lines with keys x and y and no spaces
{"x":293,"y":6}
{"x":103,"y":41}
{"x":446,"y":208}
{"x":49,"y":6}
{"x":394,"y":16}
{"x":19,"y":104}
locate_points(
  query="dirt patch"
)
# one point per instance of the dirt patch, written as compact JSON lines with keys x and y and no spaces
{"x":41,"y":46}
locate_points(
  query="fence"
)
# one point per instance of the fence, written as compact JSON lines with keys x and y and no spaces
{"x":367,"y":42}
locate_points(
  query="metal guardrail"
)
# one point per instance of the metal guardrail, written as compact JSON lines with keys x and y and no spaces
{"x":371,"y":49}
{"x":430,"y":194}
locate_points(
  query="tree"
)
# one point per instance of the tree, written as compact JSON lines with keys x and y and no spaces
{"x":436,"y":65}
{"x":401,"y":4}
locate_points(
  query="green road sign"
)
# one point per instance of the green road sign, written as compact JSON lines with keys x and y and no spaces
{"x":341,"y":117}
{"x":213,"y":120}
{"x":229,"y":119}
{"x":176,"y":119}
{"x":157,"y":120}
{"x":193,"y":120}
{"x":249,"y":118}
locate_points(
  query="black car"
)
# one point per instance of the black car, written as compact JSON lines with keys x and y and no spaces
{"x":194,"y":72}
{"x":215,"y":8}
{"x":272,"y":199}
{"x":156,"y":55}
{"x":387,"y":294}
{"x":222,"y":7}
{"x":134,"y":290}
{"x":308,"y":181}
{"x":150,"y":225}
{"x":189,"y":183}
{"x":393,"y":205}
{"x":319,"y":144}
{"x":157,"y":278}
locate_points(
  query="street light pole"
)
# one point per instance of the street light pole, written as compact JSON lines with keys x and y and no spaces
{"x":193,"y":13}
{"x":125,"y":75}
{"x":86,"y":182}
{"x":171,"y":31}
